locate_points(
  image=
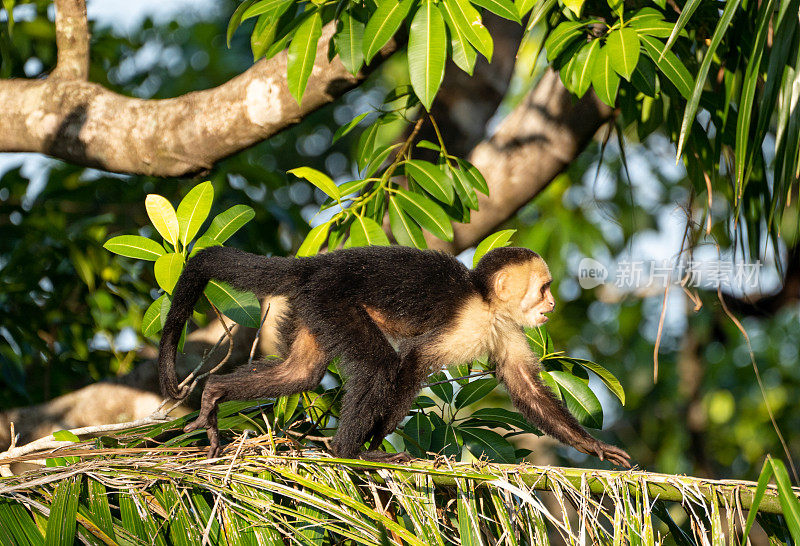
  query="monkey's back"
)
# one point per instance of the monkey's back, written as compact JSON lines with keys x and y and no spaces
{"x":422,"y":288}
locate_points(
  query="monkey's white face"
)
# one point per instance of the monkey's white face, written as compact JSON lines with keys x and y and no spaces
{"x":537,"y":302}
{"x":525,"y":291}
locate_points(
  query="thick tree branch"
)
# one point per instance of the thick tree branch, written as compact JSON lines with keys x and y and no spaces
{"x":86,"y":124}
{"x":532,"y":146}
{"x":72,"y":40}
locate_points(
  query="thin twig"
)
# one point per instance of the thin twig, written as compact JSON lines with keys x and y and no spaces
{"x":258,"y":335}
{"x":225,"y":479}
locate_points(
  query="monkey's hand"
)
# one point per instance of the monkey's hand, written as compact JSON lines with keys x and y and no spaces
{"x":384,"y":457}
{"x":604,"y":451}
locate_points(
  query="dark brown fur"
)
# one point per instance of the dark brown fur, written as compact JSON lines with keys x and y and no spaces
{"x":357,"y":303}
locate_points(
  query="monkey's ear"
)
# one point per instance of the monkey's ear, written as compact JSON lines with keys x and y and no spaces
{"x":502,"y":285}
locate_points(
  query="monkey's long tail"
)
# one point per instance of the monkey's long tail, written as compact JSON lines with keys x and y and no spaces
{"x":260,"y":274}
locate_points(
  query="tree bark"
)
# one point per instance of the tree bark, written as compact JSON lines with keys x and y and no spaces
{"x":82,"y":122}
{"x":532,"y":146}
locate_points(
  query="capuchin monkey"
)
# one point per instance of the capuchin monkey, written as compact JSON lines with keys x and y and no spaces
{"x":394,"y":315}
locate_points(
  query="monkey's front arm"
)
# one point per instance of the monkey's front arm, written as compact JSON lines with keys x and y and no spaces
{"x":518,"y":368}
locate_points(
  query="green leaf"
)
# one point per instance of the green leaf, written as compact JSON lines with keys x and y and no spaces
{"x":487,"y":442}
{"x":445,"y":441}
{"x":584,"y":66}
{"x":608,"y":379}
{"x":65,"y":436}
{"x":474,"y":176}
{"x":302,"y":52}
{"x":644,"y":78}
{"x":580,"y":399}
{"x":404,"y":229}
{"x":622,"y":48}
{"x":265,"y":7}
{"x":763,"y":481}
{"x":442,"y":390}
{"x":604,"y":79}
{"x":152,"y":319}
{"x":167,"y":269}
{"x":348,"y":42}
{"x":241,"y":307}
{"x":203,"y":242}
{"x":427,"y":52}
{"x":495,"y":240}
{"x":229,"y":222}
{"x":575,"y":6}
{"x":702,"y":73}
{"x":18,"y":525}
{"x":135,"y":246}
{"x":504,"y":418}
{"x":751,"y":79}
{"x":320,"y":180}
{"x":464,"y":55}
{"x":428,"y":214}
{"x":62,"y":522}
{"x":263,"y":35}
{"x":419,"y":429}
{"x":474,"y":391}
{"x":616,"y":6}
{"x":561,"y":36}
{"x":431,"y":178}
{"x":464,"y":189}
{"x":383,"y":24}
{"x":314,"y":240}
{"x":349,"y":126}
{"x":652,"y":26}
{"x":193,"y":210}
{"x":468,"y":20}
{"x":683,"y":18}
{"x":163,"y":217}
{"x":366,"y":232}
{"x":366,"y":144}
{"x":236,"y":20}
{"x":378,"y":157}
{"x":669,"y":65}
{"x":788,"y":499}
{"x":503,"y":8}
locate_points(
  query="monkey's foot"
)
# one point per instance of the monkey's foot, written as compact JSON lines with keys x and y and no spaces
{"x":608,"y":452}
{"x":383,"y":457}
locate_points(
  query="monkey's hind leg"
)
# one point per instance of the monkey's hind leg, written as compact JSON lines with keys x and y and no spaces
{"x":302,"y":370}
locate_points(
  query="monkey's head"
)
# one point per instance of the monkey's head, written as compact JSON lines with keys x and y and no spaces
{"x":516,"y":283}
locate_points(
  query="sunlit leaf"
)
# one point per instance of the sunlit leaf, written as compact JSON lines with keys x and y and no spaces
{"x":302,"y":53}
{"x":366,"y":232}
{"x":383,"y":24}
{"x":495,"y":240}
{"x":427,"y":52}
{"x":670,"y":65}
{"x":349,"y":42}
{"x":319,"y":179}
{"x":468,"y":20}
{"x":503,"y":8}
{"x":622,"y":49}
{"x":314,"y":240}
{"x":167,"y":269}
{"x":193,"y":210}
{"x":163,"y":217}
{"x":229,"y":222}
{"x":152,"y":319}
{"x":605,"y":79}
{"x":135,"y":246}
